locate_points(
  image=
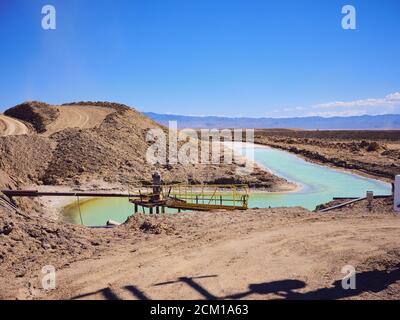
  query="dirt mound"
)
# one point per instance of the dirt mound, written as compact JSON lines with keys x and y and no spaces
{"x":374,"y":146}
{"x":150,"y":224}
{"x":39,"y":114}
{"x":24,"y":159}
{"x":115,"y":152}
{"x":393,"y":154}
{"x":117,"y":106}
{"x":29,"y":242}
{"x":388,"y":261}
{"x":379,"y":206}
{"x":102,"y":145}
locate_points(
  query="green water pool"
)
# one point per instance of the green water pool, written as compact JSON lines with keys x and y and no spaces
{"x":318,"y":184}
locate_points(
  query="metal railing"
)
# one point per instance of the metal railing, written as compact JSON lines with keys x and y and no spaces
{"x":216,"y":195}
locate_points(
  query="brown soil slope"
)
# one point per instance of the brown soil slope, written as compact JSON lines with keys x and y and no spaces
{"x":24,"y":158}
{"x":116,"y":150}
{"x":105,"y":141}
{"x":39,"y":114}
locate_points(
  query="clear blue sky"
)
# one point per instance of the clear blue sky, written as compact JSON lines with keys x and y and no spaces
{"x":217,"y":57}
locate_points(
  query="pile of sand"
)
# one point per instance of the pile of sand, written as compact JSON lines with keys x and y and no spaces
{"x":23,"y":160}
{"x":38,"y":114}
{"x":119,"y":107}
{"x":28,"y":241}
{"x":157,"y":224}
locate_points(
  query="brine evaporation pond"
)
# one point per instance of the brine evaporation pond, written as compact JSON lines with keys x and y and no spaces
{"x":317,"y":184}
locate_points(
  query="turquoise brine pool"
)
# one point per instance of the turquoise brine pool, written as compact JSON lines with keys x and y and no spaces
{"x":318,"y":184}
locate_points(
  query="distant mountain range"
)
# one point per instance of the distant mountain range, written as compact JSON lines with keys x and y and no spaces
{"x":389,"y":121}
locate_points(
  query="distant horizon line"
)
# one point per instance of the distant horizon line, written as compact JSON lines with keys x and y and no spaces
{"x":266,"y":117}
{"x":222,"y":116}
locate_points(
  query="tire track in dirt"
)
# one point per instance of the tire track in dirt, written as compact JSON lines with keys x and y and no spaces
{"x":83,"y":117}
{"x":230,"y":268}
{"x":10,"y":126}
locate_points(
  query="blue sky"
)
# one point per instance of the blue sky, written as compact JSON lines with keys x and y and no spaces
{"x":205,"y":57}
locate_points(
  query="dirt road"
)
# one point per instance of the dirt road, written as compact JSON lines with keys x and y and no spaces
{"x":285,"y":253}
{"x":78,"y":117}
{"x":10,"y":126}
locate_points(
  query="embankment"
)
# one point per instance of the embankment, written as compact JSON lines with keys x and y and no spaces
{"x":373,"y":153}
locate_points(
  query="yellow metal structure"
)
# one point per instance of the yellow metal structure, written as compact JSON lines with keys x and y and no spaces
{"x":190,"y":197}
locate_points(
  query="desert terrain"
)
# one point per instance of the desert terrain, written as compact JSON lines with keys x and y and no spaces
{"x":367,"y":152}
{"x":77,"y":144}
{"x":283,"y":253}
{"x":261,"y":254}
{"x":10,"y":126}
